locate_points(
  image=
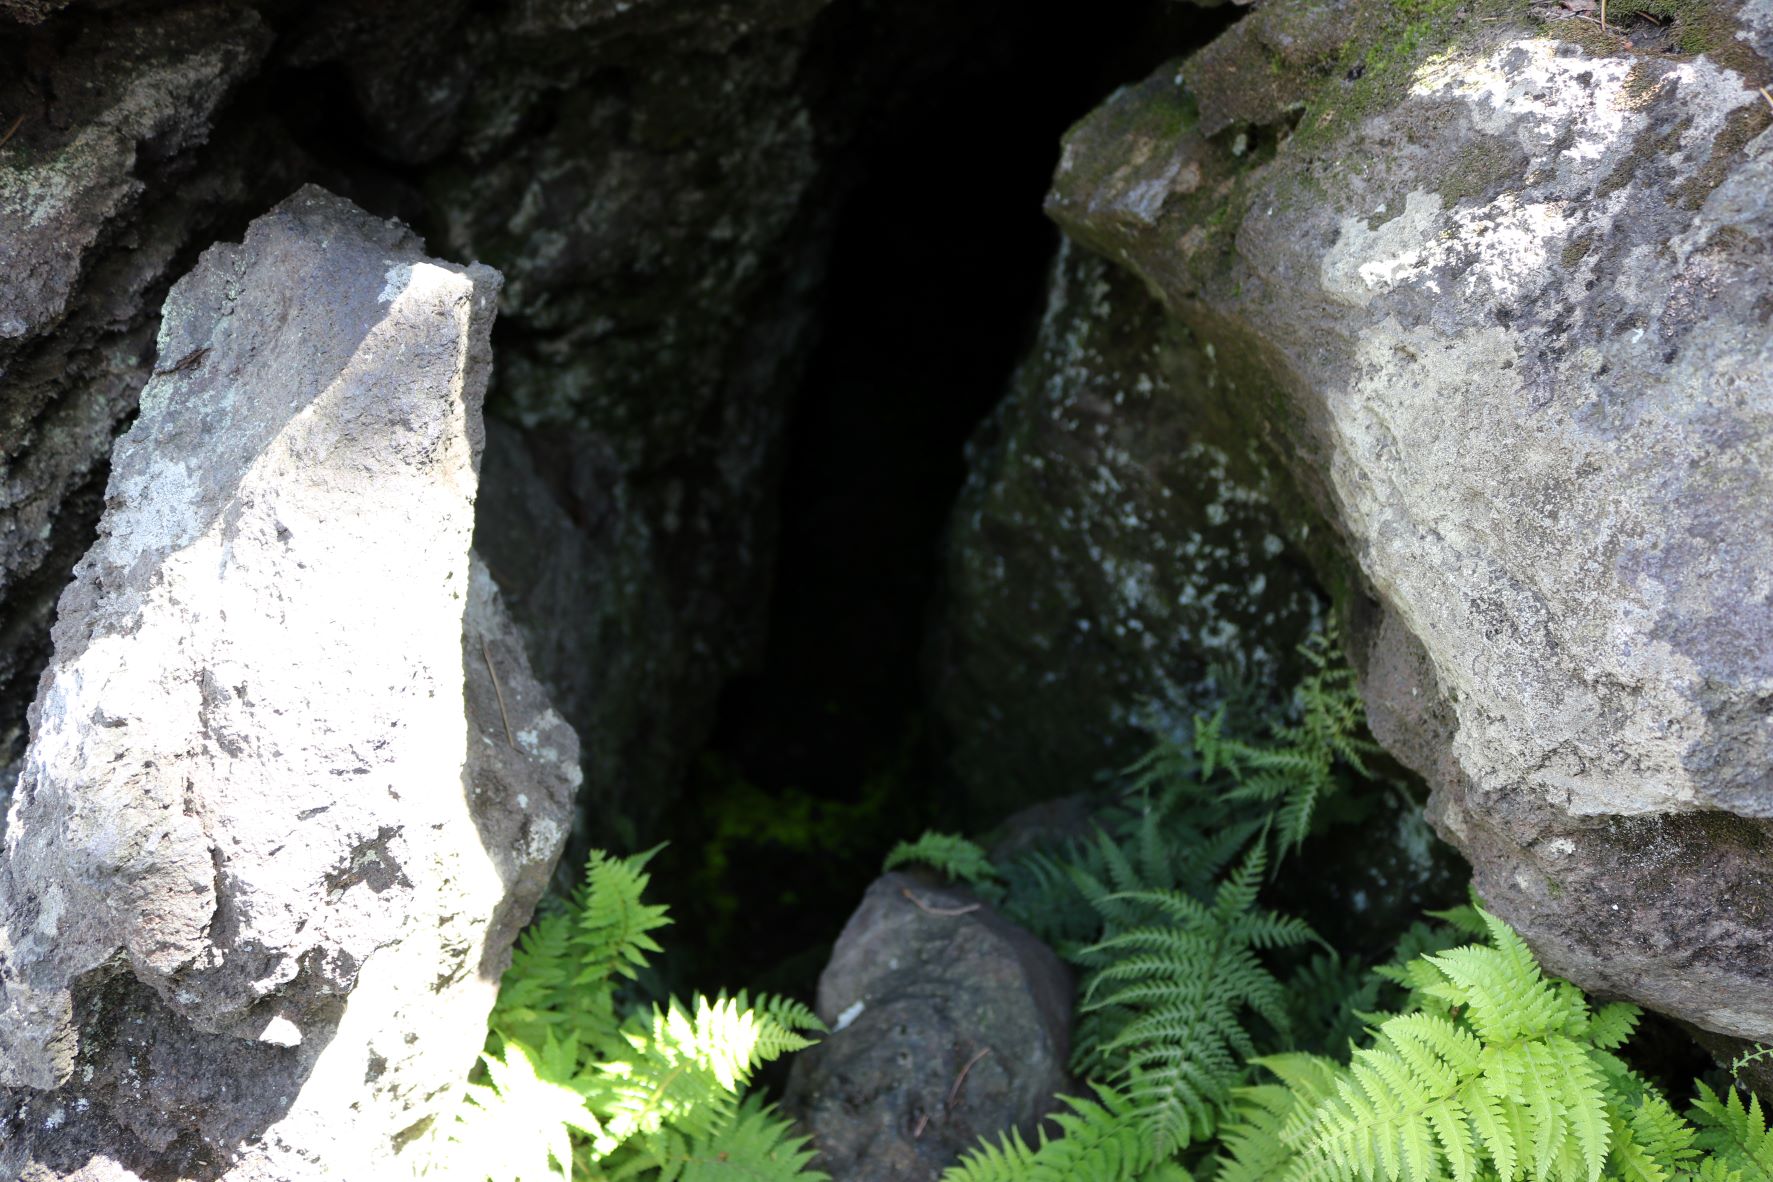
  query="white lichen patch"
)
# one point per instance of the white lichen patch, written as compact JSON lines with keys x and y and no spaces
{"x":1516,"y":486}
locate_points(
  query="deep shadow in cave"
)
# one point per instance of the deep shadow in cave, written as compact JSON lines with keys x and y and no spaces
{"x":824,"y":756}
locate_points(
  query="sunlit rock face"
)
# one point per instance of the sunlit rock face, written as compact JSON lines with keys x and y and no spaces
{"x":290,"y":788}
{"x":1506,"y":313}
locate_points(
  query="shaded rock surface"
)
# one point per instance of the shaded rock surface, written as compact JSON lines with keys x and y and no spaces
{"x":1505,"y":313}
{"x":291,"y":789}
{"x":1117,"y":556}
{"x":949,"y":1024}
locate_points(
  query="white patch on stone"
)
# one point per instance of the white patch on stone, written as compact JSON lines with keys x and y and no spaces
{"x":848,"y":1016}
{"x":281,"y":1032}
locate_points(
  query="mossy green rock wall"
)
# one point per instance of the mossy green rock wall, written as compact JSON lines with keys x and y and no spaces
{"x":1496,"y":292}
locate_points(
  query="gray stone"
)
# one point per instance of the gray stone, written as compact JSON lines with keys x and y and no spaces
{"x":108,"y":179}
{"x":291,"y":789}
{"x":1505,"y":311}
{"x":949,"y":1023}
{"x":1116,"y":555}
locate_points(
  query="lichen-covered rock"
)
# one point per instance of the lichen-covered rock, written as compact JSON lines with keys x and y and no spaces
{"x":291,"y":789}
{"x":1504,"y":309}
{"x":1117,"y":552}
{"x":108,"y":177}
{"x":949,"y":1023}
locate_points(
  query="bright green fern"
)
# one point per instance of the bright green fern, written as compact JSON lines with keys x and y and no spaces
{"x":1292,"y":772}
{"x":1491,"y":1073}
{"x":581,"y":1082}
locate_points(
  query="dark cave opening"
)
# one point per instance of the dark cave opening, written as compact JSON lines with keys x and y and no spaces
{"x":935,"y":283}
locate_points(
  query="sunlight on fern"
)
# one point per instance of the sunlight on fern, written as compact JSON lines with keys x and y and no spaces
{"x":579,"y":1082}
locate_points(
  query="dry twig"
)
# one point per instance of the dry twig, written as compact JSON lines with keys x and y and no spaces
{"x":486,"y":655}
{"x":16,"y":124}
{"x":944,"y":911}
{"x":962,"y":1078}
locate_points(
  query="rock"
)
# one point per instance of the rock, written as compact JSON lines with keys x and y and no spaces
{"x":30,"y":12}
{"x":1117,"y":553}
{"x":1504,"y":312}
{"x":108,"y":178}
{"x":949,"y":1023}
{"x":654,"y":181}
{"x":291,"y":789}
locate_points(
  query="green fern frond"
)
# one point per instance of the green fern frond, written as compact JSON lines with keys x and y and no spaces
{"x":1291,"y":773}
{"x":611,"y":934}
{"x":572,"y":1086}
{"x":517,"y":1126}
{"x":1166,"y":1004}
{"x":1734,"y":1134}
{"x":1495,"y":1072}
{"x":1263,"y":1121}
{"x":952,"y":855}
{"x":687,"y":1066}
{"x":755,"y":1145}
{"x":1043,"y":896}
{"x":1100,"y":1141}
{"x":1328,"y":998}
{"x":564,"y":972}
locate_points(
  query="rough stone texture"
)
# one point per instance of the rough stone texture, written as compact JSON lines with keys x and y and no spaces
{"x":104,"y":185}
{"x":30,"y":12}
{"x":290,"y":790}
{"x":946,"y":1028}
{"x":1506,"y":312}
{"x":1116,"y":555}
{"x":654,"y":180}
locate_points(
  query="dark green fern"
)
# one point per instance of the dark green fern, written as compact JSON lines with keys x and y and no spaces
{"x":946,"y":853}
{"x":1170,"y":994}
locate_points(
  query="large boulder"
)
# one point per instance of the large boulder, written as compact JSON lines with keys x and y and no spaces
{"x":291,"y":789}
{"x":1118,"y":559}
{"x":1497,"y":291}
{"x":949,"y":1024}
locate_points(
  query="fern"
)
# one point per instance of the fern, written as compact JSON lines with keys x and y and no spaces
{"x":1493,"y":1072}
{"x":563,"y":975}
{"x":1292,"y":773}
{"x":578,"y":1083}
{"x":1100,"y":1141}
{"x":1166,"y":1004}
{"x":754,"y":1144}
{"x":947,"y":853}
{"x":1736,"y":1136}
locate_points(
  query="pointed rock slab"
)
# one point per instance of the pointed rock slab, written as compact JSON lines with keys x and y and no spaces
{"x":290,"y":789}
